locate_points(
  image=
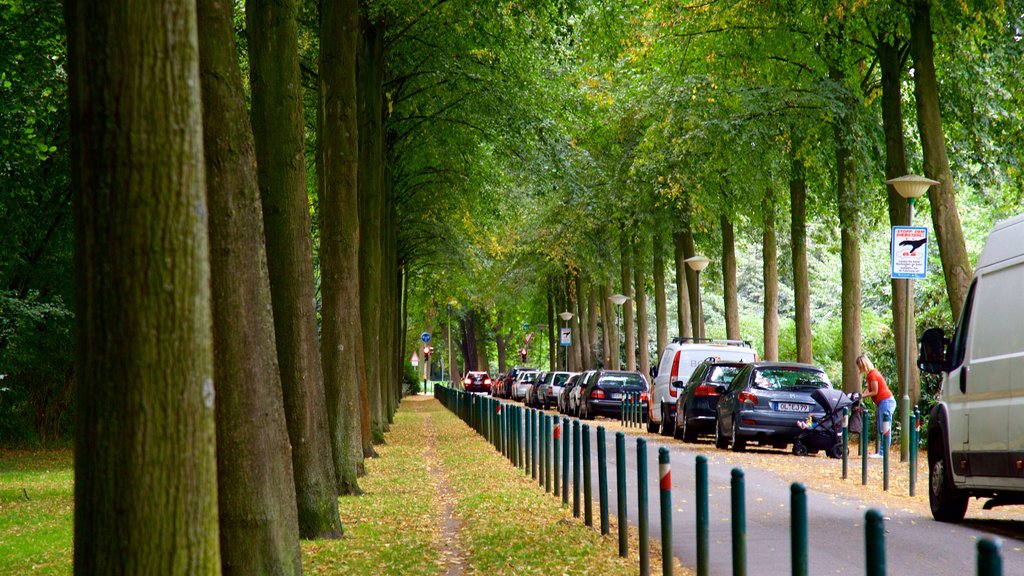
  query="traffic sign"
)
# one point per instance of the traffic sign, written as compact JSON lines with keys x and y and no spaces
{"x":414,"y":360}
{"x":425,"y":337}
{"x":909,"y":252}
{"x":526,"y":327}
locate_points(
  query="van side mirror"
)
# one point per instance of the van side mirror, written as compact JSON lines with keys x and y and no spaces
{"x":678,"y":384}
{"x":654,"y":371}
{"x":931,"y":354}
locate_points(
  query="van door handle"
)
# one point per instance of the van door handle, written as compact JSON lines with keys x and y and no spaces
{"x":963,"y":379}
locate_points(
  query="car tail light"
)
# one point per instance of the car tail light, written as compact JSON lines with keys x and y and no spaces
{"x":644,"y":397}
{"x":672,"y":391}
{"x":597,"y":393}
{"x":487,"y":381}
{"x":705,"y":390}
{"x":747,"y":398}
{"x":466,"y":381}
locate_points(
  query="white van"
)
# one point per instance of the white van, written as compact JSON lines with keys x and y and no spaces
{"x":976,"y":431}
{"x":678,"y":361}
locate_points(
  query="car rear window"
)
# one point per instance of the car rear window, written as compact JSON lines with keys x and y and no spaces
{"x":790,"y":379}
{"x":560,"y":379}
{"x":622,"y":382}
{"x":722,"y":374}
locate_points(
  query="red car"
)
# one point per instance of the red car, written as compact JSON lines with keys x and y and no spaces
{"x":477,"y":382}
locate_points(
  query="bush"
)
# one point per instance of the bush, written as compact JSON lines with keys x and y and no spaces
{"x":411,"y":379}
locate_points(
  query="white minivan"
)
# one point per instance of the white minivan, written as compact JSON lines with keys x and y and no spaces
{"x":976,"y":430}
{"x":678,"y":361}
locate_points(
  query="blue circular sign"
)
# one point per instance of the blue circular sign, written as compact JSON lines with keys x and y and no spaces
{"x":425,"y":337}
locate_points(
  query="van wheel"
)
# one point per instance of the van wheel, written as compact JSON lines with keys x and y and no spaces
{"x":721,"y":441}
{"x":947,"y":503}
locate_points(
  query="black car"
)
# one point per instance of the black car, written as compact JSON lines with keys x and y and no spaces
{"x":765,"y":402}
{"x":605,"y":391}
{"x":477,"y":381}
{"x":697,"y":403}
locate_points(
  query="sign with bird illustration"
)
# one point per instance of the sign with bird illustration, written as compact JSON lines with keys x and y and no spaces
{"x":909,"y":252}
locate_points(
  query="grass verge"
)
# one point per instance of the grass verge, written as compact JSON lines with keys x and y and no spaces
{"x":36,"y":511}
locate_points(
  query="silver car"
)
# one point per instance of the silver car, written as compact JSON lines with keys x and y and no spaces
{"x":522,"y":384}
{"x":551,"y":387}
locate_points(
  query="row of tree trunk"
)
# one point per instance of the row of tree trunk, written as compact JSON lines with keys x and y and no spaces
{"x":215,"y":424}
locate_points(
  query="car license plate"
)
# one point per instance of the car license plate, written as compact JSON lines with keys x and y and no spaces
{"x":791,"y":407}
{"x":616,"y":396}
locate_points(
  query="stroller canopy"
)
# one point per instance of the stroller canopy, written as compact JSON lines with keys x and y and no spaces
{"x":831,"y":399}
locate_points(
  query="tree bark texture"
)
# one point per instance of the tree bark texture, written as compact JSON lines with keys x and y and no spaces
{"x":627,"y":309}
{"x":771,"y":278}
{"x":259,"y":530}
{"x":552,"y":331}
{"x":640,"y":294}
{"x":278,"y":121}
{"x":499,"y":340}
{"x":482,"y":362}
{"x":896,"y":166}
{"x":956,"y":266}
{"x":610,"y":327}
{"x":729,"y":282}
{"x":660,"y":298}
{"x":801,"y":276}
{"x":145,"y":480}
{"x":369,"y":71}
{"x":341,"y":334}
{"x":468,"y":340}
{"x":583,"y":320}
{"x":684,"y":317}
{"x":598,"y":341}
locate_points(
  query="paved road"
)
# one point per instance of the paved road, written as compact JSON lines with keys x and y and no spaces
{"x":915,"y":544}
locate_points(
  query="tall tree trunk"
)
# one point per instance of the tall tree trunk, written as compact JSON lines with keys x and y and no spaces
{"x":146,"y":494}
{"x":583,"y":320}
{"x":693,"y":284}
{"x":278,"y":123}
{"x":467,"y":329}
{"x":338,"y":157}
{"x":847,"y":197}
{"x":369,"y":70}
{"x":771,"y":278}
{"x":482,"y":361}
{"x":956,"y":267}
{"x":499,"y":340}
{"x":610,"y":327}
{"x":628,"y":318}
{"x":660,"y":299}
{"x":259,"y":527}
{"x":798,"y":241}
{"x":896,"y":166}
{"x":640,"y":293}
{"x":729,"y":284}
{"x":684,"y":317}
{"x":598,"y":341}
{"x":552,"y":330}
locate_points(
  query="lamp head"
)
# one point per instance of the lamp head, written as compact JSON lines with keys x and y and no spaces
{"x":566,"y":316}
{"x":911,"y":186}
{"x":697,"y":263}
{"x":618,"y":299}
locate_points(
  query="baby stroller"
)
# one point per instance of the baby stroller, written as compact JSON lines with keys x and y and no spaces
{"x":826,"y":433}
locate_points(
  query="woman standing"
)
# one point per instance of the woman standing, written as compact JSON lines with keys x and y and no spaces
{"x":880,"y":393}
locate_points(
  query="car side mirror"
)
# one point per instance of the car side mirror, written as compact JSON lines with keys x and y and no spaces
{"x":931,"y":354}
{"x":678,"y":384}
{"x":653,"y":371}
{"x":721,"y":388}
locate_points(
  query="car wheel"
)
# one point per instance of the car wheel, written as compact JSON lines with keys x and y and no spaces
{"x":652,"y":426}
{"x":688,"y":434}
{"x":666,"y":426}
{"x":947,"y":503}
{"x":738,"y":443}
{"x":721,"y":441}
{"x":677,"y":431}
{"x":799,"y":449}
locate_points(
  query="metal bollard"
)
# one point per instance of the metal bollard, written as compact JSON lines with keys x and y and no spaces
{"x":990,"y":563}
{"x":576,"y":468}
{"x":588,"y":509}
{"x":703,"y":517}
{"x":557,"y":435}
{"x":620,"y":492}
{"x":665,"y":485}
{"x":915,"y":428}
{"x":739,"y":524}
{"x":886,"y":444}
{"x":874,"y":540}
{"x":531,"y":416}
{"x":641,"y":497}
{"x":865,"y":440}
{"x":602,"y":480}
{"x":846,"y":442}
{"x":565,"y":462}
{"x":798,"y":528}
{"x":547,"y":452}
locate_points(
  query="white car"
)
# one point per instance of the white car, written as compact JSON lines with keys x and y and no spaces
{"x":678,"y":362}
{"x":548,"y":391}
{"x":522,"y":384}
{"x":574,"y":396}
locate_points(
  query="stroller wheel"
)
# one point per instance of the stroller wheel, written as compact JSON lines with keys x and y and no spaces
{"x":799,"y":449}
{"x":835,"y":451}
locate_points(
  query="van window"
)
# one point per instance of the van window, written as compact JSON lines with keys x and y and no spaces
{"x":998,"y":292}
{"x":959,"y":344}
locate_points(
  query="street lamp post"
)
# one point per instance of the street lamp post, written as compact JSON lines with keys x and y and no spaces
{"x":566,"y":317}
{"x":910,"y":187}
{"x":618,"y":300}
{"x":698,"y":264}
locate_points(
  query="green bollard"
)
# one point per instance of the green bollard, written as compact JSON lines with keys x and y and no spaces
{"x":546,"y":420}
{"x":588,"y":508}
{"x":874,"y":538}
{"x":602,"y":480}
{"x":865,"y":439}
{"x":620,"y":492}
{"x":885,"y":440}
{"x":990,"y":563}
{"x":531,"y":417}
{"x":798,"y":528}
{"x":576,"y":468}
{"x":665,"y":485}
{"x":846,"y":442}
{"x":565,"y":462}
{"x":739,"y":524}
{"x":915,"y":423}
{"x":557,"y":435}
{"x":703,"y":517}
{"x":622,"y":411}
{"x":641,"y":499}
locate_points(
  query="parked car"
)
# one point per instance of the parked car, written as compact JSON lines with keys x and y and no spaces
{"x":697,"y":403}
{"x":678,"y":361}
{"x":496,"y":385}
{"x":550,"y":387}
{"x":567,"y":388}
{"x":522,"y":383}
{"x":477,"y":381}
{"x":505,"y":387}
{"x":976,"y":429}
{"x":604,"y":391}
{"x":530,"y":398}
{"x":765,"y":401}
{"x":576,"y":394}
